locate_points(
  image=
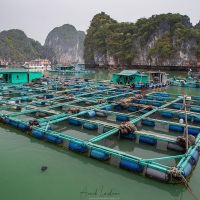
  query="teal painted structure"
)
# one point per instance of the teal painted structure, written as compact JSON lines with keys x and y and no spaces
{"x":129,"y":77}
{"x":18,"y":75}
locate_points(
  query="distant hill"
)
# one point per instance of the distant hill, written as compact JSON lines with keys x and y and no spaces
{"x":15,"y":46}
{"x":166,"y":39}
{"x":67,"y":43}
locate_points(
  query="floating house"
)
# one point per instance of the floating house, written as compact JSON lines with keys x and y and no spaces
{"x":18,"y":75}
{"x":129,"y":77}
{"x":65,"y":68}
{"x":157,"y":76}
{"x":137,"y":79}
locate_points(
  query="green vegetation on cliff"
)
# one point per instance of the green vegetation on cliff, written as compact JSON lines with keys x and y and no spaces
{"x":160,"y":37}
{"x":15,"y":46}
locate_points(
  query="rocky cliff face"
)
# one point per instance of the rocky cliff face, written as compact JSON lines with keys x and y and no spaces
{"x":15,"y":46}
{"x":67,"y":43}
{"x":197,"y":26}
{"x":167,"y":39}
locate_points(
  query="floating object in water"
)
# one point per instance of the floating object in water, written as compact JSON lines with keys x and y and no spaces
{"x":44,"y":168}
{"x":181,"y":121}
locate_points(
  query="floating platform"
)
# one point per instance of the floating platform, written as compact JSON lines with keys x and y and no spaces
{"x":141,"y":133}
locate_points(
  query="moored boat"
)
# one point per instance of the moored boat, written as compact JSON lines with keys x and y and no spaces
{"x":38,"y":64}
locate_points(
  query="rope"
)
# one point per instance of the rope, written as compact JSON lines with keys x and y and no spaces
{"x":174,"y":171}
{"x":188,"y":187}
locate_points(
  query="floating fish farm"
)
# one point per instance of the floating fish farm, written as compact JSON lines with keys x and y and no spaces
{"x":155,"y":135}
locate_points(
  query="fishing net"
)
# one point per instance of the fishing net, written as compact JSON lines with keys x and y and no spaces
{"x":111,"y":118}
{"x":161,"y":127}
{"x":137,"y":141}
{"x":115,"y":160}
{"x":139,"y":124}
{"x":100,"y":129}
{"x":161,"y":145}
{"x":109,"y":141}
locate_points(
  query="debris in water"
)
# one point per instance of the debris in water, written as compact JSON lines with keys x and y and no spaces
{"x":43,"y":168}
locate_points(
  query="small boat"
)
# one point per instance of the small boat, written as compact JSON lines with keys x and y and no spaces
{"x":37,"y":65}
{"x":78,"y":68}
{"x":191,"y":80}
{"x":141,"y":80}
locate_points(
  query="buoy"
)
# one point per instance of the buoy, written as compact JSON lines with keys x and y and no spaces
{"x":181,"y":121}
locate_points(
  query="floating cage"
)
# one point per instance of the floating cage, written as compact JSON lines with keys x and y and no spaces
{"x":140,"y":133}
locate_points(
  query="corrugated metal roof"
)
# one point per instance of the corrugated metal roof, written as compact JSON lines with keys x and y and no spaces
{"x":131,"y":73}
{"x":13,"y":70}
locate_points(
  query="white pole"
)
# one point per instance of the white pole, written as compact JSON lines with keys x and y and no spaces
{"x":186,"y":124}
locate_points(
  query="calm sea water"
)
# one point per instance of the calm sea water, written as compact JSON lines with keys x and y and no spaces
{"x":71,"y":176}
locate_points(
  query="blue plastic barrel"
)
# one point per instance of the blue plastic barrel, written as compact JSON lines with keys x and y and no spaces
{"x":148,"y":140}
{"x":182,"y":116}
{"x":77,"y":147}
{"x":118,"y":107}
{"x":129,"y":136}
{"x":194,"y":158}
{"x":90,"y":114}
{"x":157,"y":104}
{"x":196,"y":119}
{"x":160,"y":99}
{"x":100,"y":155}
{"x":49,"y":96}
{"x":149,"y":97}
{"x":138,"y":86}
{"x":157,"y":94}
{"x":165,"y":95}
{"x":23,"y":126}
{"x":136,"y":101}
{"x":187,"y":170}
{"x":195,"y":109}
{"x":13,"y":123}
{"x":90,"y":126}
{"x":176,"y":128}
{"x":122,"y":118}
{"x":193,"y":131}
{"x":167,"y":114}
{"x":143,"y":102}
{"x":7,"y":121}
{"x":197,"y":98}
{"x":177,"y":106}
{"x":144,"y":111}
{"x":74,"y":122}
{"x":131,"y":165}
{"x":38,"y":134}
{"x":53,"y":139}
{"x":132,"y":109}
{"x":148,"y":122}
{"x":120,"y":90}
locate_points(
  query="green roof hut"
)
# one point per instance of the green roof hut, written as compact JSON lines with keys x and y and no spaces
{"x":18,"y":75}
{"x":129,"y":77}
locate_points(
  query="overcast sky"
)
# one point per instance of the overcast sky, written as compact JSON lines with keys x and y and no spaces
{"x":38,"y":17}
